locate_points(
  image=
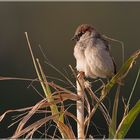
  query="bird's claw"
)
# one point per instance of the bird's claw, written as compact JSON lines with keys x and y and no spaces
{"x":81,"y":75}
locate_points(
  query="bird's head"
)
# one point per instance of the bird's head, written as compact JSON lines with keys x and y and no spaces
{"x":82,"y":30}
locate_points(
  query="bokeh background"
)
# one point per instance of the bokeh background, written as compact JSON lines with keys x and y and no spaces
{"x":52,"y":25}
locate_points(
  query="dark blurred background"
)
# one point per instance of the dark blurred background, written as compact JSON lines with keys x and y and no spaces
{"x":52,"y":25}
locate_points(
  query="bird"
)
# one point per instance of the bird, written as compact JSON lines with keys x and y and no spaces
{"x":92,"y":53}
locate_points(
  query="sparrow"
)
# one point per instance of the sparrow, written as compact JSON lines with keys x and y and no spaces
{"x":92,"y":53}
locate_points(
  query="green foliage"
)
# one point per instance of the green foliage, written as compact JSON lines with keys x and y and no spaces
{"x":121,"y":73}
{"x":127,"y":121}
{"x":125,"y":124}
{"x":113,"y":122}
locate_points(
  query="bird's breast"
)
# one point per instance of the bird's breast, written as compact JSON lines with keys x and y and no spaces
{"x":80,"y":57}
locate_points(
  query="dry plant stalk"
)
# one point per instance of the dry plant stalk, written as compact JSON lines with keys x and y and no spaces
{"x":80,"y":108}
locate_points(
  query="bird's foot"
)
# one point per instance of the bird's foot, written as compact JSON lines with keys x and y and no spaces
{"x":81,"y":75}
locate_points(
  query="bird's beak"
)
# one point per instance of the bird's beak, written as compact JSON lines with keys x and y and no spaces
{"x":75,"y":37}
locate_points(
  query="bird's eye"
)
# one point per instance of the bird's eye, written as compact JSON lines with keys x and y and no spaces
{"x":77,"y":36}
{"x":80,"y":34}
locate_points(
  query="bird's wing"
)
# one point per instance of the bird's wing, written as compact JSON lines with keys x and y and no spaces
{"x":99,"y":61}
{"x":107,"y":45}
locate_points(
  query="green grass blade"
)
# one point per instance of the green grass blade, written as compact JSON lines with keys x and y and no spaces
{"x":134,"y":85}
{"x":48,"y":94}
{"x":127,"y":121}
{"x":42,"y":78}
{"x":46,"y":89}
{"x":121,"y":73}
{"x":112,"y":126}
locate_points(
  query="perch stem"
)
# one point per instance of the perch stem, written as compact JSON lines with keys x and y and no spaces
{"x":80,"y":108}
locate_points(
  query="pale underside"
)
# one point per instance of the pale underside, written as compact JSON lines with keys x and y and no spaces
{"x":93,"y":59}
